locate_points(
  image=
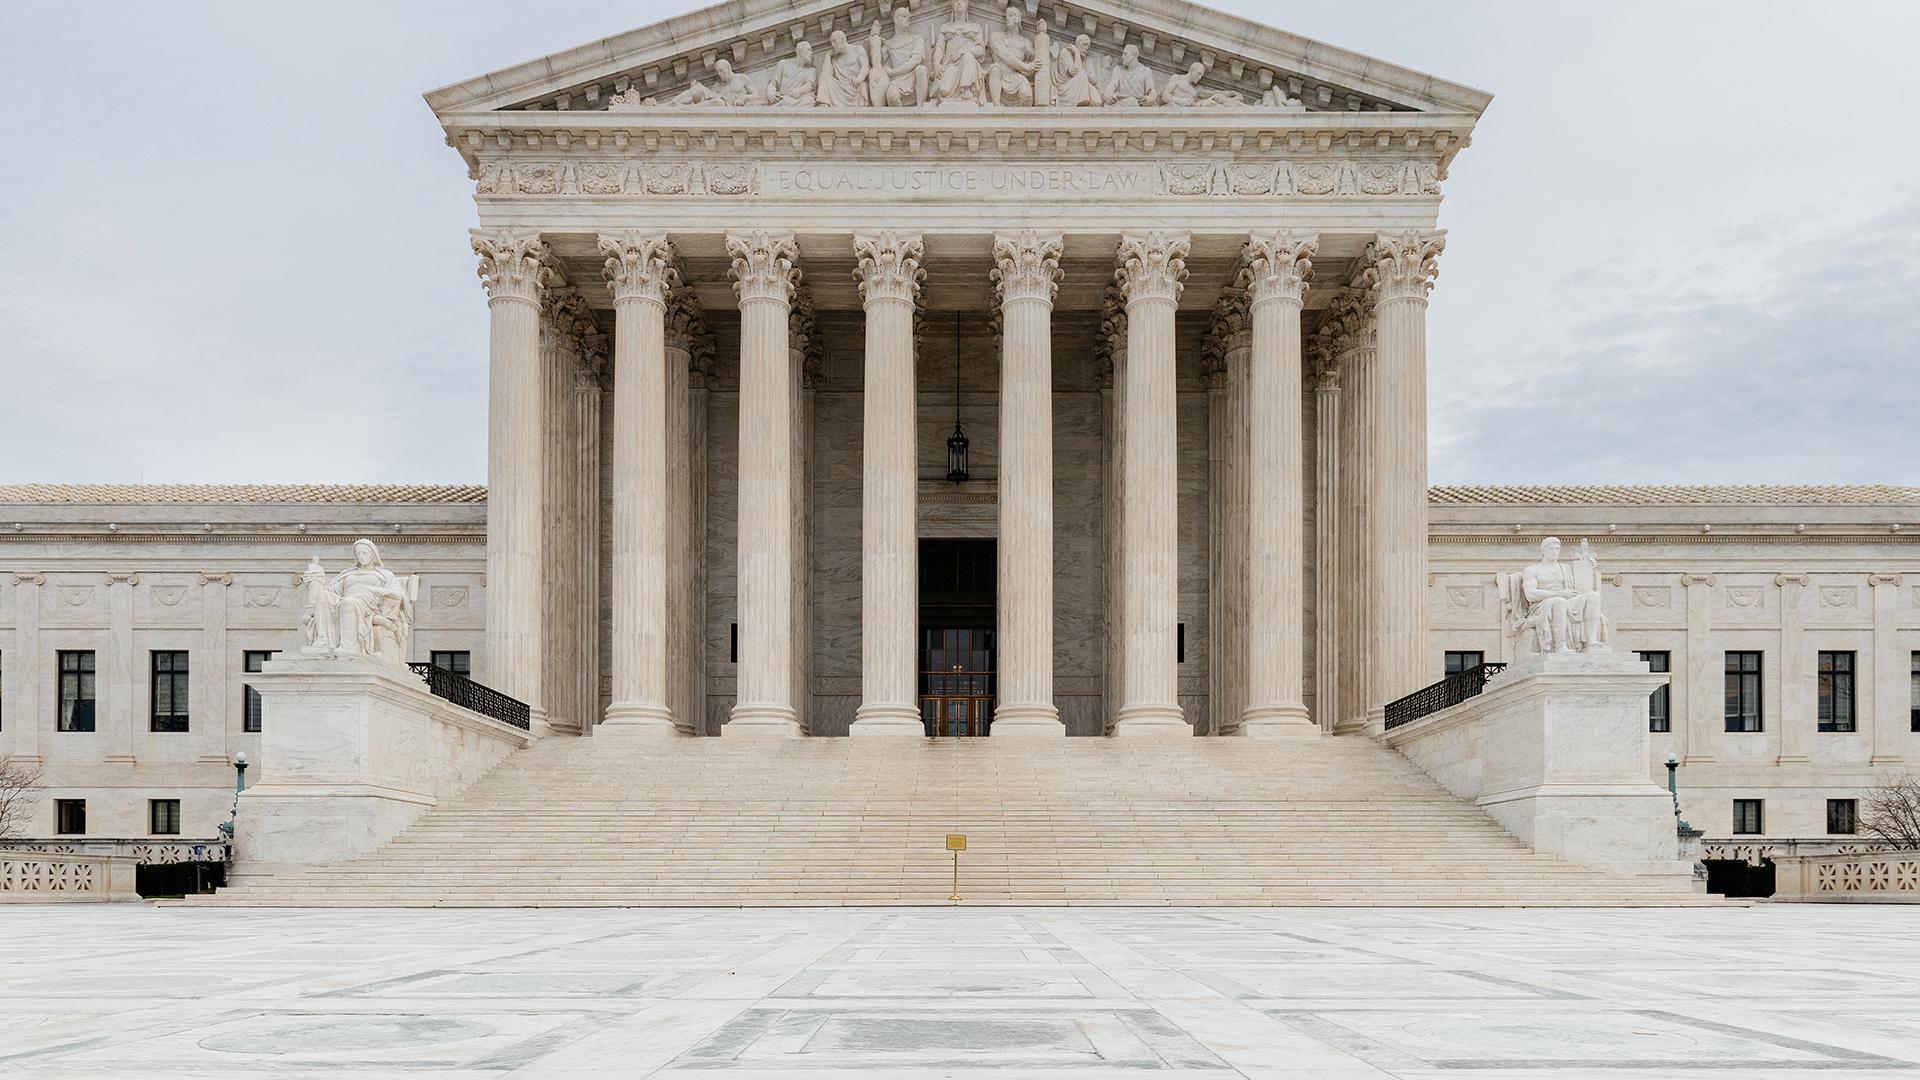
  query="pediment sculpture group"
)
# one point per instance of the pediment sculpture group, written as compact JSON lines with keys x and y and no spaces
{"x":961,"y":66}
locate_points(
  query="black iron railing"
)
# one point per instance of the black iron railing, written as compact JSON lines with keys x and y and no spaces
{"x":468,"y":694}
{"x":1444,"y":694}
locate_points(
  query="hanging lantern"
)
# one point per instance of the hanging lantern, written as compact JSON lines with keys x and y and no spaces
{"x":957,"y":442}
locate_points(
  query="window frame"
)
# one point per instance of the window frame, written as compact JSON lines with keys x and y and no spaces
{"x":1759,"y":808}
{"x":1660,"y":702}
{"x":61,"y":809}
{"x":1737,"y":714}
{"x":463,"y":666}
{"x":83,"y":677}
{"x":1827,"y":696}
{"x":1851,"y":817}
{"x":1448,"y":668}
{"x":178,"y":688}
{"x":252,"y":708}
{"x":172,"y":810}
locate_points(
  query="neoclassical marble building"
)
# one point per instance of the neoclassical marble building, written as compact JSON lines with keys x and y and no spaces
{"x":866,"y":370}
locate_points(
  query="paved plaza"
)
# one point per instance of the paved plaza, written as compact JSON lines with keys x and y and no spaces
{"x":925,"y":993}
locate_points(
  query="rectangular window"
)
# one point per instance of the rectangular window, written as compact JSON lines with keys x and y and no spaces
{"x":169,"y":691}
{"x":1660,"y":703}
{"x":460,"y":663}
{"x":1836,"y":691}
{"x":76,"y":692}
{"x":1458,"y":662}
{"x":1746,"y":816}
{"x":163,"y":817}
{"x":70,"y":817}
{"x":1913,"y":695}
{"x":253,"y":662}
{"x":1843,"y":817}
{"x":1743,"y":691}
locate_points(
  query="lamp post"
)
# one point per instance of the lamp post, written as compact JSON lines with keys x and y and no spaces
{"x":1673,"y":789}
{"x":239,"y":785}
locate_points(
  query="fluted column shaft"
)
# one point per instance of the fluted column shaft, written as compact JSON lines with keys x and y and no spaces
{"x":889,"y":275}
{"x":1278,"y":268}
{"x":1357,"y":406}
{"x":1027,"y":274}
{"x":1327,"y":657}
{"x":682,"y":634}
{"x":764,"y":279}
{"x":1151,"y":275}
{"x":1114,"y":329}
{"x":639,"y":271}
{"x":513,"y":267}
{"x":564,"y":319}
{"x":1405,"y":264}
{"x":586,"y":552}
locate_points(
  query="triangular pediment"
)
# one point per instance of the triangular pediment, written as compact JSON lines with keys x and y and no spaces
{"x":1244,"y":64}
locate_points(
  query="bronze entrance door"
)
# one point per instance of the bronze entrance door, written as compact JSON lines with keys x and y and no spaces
{"x":957,"y":686}
{"x":956,"y":682}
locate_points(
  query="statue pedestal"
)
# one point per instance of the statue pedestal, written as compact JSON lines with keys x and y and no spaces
{"x":352,"y":751}
{"x":1556,"y":750}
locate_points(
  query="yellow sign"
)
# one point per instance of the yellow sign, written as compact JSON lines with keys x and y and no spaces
{"x":956,"y":841}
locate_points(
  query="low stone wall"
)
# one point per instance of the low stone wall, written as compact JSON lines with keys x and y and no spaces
{"x":42,"y":877}
{"x":1556,"y":750}
{"x":1874,"y":877}
{"x":357,"y":750}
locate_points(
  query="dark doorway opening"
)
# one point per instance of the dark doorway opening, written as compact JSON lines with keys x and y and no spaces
{"x":957,"y":655}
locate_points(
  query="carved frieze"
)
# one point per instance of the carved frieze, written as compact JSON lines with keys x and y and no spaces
{"x":1203,"y":178}
{"x":1839,"y":596}
{"x":1652,"y":596}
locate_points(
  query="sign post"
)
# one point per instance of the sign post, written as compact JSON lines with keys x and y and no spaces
{"x":956,"y":843}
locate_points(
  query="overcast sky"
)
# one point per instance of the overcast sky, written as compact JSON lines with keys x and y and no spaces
{"x":1685,"y":246}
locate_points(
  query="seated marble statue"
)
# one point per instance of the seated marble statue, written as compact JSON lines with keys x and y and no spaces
{"x":366,"y":610}
{"x":728,"y":89}
{"x":1185,"y":92}
{"x":1015,"y":65}
{"x":1074,"y":86}
{"x":796,"y":80}
{"x":900,"y":66}
{"x":960,"y":60}
{"x":843,"y":77}
{"x":1555,"y":607}
{"x":1131,"y":84}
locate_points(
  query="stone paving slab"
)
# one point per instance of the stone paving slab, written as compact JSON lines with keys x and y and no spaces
{"x":1040,"y":993}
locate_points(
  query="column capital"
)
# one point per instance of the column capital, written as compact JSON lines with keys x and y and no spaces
{"x":1890,"y":580}
{"x":1402,"y":265}
{"x":686,"y":321}
{"x":565,"y":320}
{"x":207,"y":578}
{"x":1278,"y":265}
{"x":20,"y":578}
{"x":1026,"y":265}
{"x":764,"y":265}
{"x":514,"y":264}
{"x":1326,"y":376}
{"x":1784,"y":580}
{"x":1347,"y":323}
{"x":639,"y":265}
{"x":1154,"y":266}
{"x":889,"y":265}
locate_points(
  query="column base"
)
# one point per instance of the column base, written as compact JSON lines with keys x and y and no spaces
{"x":899,"y":721}
{"x":1152,"y":720}
{"x":629,"y":720}
{"x":1281,"y":723}
{"x":1025,"y":721}
{"x":762,"y":721}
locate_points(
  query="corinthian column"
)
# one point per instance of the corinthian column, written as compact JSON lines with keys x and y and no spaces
{"x":513,"y":267}
{"x":764,"y":278}
{"x":889,"y":276}
{"x":1326,"y":544}
{"x":1347,"y":332}
{"x":1027,"y":275}
{"x":565,"y":320}
{"x":639,"y":271}
{"x":1404,"y":265}
{"x":1278,"y":267}
{"x":1152,"y":272}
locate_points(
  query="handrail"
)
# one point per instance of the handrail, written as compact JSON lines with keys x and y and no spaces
{"x":1444,"y":694}
{"x":478,"y":697}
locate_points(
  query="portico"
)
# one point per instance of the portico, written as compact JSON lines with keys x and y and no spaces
{"x":1189,"y":355}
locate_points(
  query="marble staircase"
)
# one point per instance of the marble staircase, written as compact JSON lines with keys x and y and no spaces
{"x":666,"y":822}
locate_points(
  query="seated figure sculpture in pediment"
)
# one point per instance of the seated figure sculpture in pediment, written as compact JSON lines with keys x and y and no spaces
{"x":366,"y":610}
{"x":1276,"y":98}
{"x":1010,"y":76}
{"x":1131,"y":84}
{"x":728,"y":89}
{"x":1555,"y":607}
{"x":959,"y":60}
{"x":795,"y":83}
{"x":900,"y":68}
{"x":1185,"y":92}
{"x":843,"y":77}
{"x":1074,"y":85}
